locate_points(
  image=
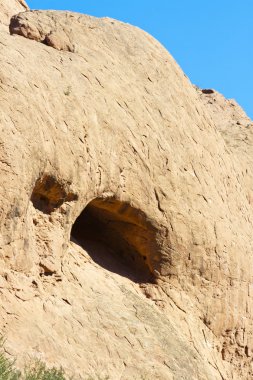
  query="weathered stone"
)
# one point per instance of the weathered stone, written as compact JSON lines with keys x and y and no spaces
{"x":126,"y":206}
{"x":9,"y":8}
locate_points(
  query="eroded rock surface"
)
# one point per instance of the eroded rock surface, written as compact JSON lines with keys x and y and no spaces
{"x":126,"y":213}
{"x":9,"y":8}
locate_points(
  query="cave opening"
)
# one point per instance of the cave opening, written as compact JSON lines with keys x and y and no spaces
{"x":119,"y":238}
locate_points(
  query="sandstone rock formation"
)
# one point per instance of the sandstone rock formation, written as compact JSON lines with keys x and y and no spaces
{"x":9,"y":8}
{"x":126,"y":206}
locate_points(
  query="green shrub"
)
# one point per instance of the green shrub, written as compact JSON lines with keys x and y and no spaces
{"x":38,"y":371}
{"x":7,"y":370}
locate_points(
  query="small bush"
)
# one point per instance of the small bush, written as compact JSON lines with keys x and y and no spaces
{"x":7,"y":370}
{"x":38,"y":371}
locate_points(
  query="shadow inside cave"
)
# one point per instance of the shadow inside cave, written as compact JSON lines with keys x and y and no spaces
{"x":117,"y":238}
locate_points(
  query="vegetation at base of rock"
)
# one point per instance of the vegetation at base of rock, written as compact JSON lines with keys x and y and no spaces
{"x":39,"y":372}
{"x":35,"y":371}
{"x":7,"y":370}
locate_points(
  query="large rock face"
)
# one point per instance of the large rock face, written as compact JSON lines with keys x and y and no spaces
{"x":8,"y":8}
{"x":126,"y":207}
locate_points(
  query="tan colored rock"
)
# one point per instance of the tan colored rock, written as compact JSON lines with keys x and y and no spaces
{"x":236,"y":129}
{"x":9,"y":8}
{"x":126,"y":225}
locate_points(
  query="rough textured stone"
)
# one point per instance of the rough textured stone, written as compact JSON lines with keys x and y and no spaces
{"x":126,"y":212}
{"x":9,"y":8}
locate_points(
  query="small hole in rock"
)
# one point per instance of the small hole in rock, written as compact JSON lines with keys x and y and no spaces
{"x":207,"y":91}
{"x":45,"y":271}
{"x":119,"y":238}
{"x":49,"y":194}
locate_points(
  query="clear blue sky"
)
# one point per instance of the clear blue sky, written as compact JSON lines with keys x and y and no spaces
{"x":212,"y":40}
